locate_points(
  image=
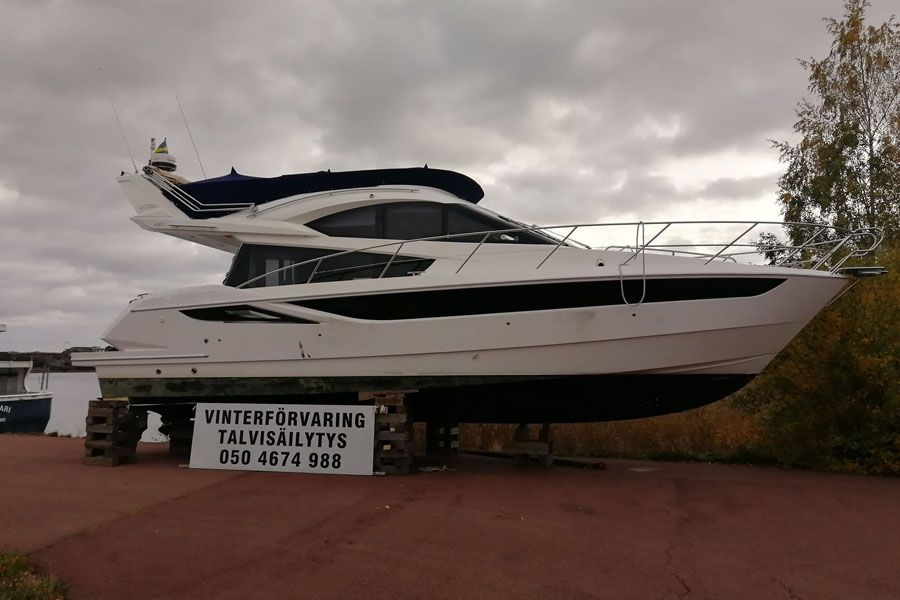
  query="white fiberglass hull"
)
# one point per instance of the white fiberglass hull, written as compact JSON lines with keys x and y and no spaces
{"x":172,"y":354}
{"x":258,"y":351}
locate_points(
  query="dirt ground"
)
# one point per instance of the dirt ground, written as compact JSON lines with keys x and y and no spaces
{"x":491,"y":529}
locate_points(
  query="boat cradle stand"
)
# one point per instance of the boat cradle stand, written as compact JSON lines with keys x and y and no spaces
{"x":526,"y":447}
{"x":113,"y":429}
{"x":394,"y":435}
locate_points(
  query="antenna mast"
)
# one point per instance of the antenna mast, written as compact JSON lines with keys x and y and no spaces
{"x":190,"y":135}
{"x":121,"y":129}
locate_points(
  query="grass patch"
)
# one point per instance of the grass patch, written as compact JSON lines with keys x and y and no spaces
{"x":20,"y":580}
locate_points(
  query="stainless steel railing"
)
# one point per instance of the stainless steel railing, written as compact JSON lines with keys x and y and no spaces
{"x":185,"y":199}
{"x":814,"y":252}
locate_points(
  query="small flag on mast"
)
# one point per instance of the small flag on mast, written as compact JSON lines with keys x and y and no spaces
{"x":162,"y":148}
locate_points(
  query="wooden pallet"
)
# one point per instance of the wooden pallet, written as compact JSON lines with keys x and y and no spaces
{"x":442,"y":439}
{"x":393,"y":432}
{"x":526,"y":448}
{"x":112,"y":433}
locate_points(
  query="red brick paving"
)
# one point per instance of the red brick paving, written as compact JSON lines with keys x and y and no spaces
{"x":490,"y":530}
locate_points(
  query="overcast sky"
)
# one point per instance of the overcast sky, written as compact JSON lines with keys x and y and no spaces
{"x":564,"y":111}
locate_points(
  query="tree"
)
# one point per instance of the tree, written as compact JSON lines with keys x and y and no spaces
{"x":831,"y":399}
{"x":845,"y":170}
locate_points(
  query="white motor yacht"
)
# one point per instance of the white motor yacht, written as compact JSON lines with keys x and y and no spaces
{"x":21,"y":410}
{"x":398,"y":279}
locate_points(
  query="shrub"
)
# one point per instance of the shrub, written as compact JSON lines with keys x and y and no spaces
{"x":21,"y":581}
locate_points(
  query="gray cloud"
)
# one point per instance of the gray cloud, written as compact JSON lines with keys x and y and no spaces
{"x":747,"y":187}
{"x":565,"y":111}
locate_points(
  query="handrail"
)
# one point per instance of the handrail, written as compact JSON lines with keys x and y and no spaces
{"x":805,"y":244}
{"x":668,"y":250}
{"x":555,"y":248}
{"x":731,"y":243}
{"x":393,"y":256}
{"x":483,"y":240}
{"x":189,"y":201}
{"x":828,"y":248}
{"x":281,"y":202}
{"x":640,"y":231}
{"x":642,"y":228}
{"x":839,"y":245}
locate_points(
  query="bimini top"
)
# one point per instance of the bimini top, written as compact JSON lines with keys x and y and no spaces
{"x":237,"y":188}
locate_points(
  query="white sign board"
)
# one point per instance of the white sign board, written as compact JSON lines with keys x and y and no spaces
{"x":299,"y":438}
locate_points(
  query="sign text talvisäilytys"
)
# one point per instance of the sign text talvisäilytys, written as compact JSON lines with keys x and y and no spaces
{"x":301,"y":438}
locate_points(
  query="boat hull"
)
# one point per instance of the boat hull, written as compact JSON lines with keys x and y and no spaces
{"x":571,"y":399}
{"x":25,"y":413}
{"x":563,"y":364}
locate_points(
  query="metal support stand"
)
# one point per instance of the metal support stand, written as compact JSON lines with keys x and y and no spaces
{"x":541,"y":449}
{"x":178,"y":424}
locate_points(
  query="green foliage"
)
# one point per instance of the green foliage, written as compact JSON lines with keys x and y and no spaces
{"x":21,"y":581}
{"x":831,"y":399}
{"x":845,"y":170}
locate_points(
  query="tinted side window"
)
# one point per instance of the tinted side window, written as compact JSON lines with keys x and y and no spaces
{"x":368,"y":265}
{"x":412,"y":220}
{"x":463,"y":221}
{"x":255,"y":260}
{"x":362,"y":222}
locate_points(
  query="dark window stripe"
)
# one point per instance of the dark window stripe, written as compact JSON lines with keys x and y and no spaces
{"x":413,"y":220}
{"x":241,"y":314}
{"x":254,"y":260}
{"x":529,"y":297}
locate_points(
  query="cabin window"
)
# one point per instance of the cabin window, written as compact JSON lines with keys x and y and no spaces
{"x":365,"y":222}
{"x":465,"y":221}
{"x":254,"y":260}
{"x":414,"y":220}
{"x":411,"y":220}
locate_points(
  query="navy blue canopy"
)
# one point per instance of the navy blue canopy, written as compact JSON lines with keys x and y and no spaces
{"x":231,"y":177}
{"x":236,"y":188}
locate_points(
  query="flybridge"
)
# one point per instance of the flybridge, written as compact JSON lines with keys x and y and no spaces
{"x":222,"y":195}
